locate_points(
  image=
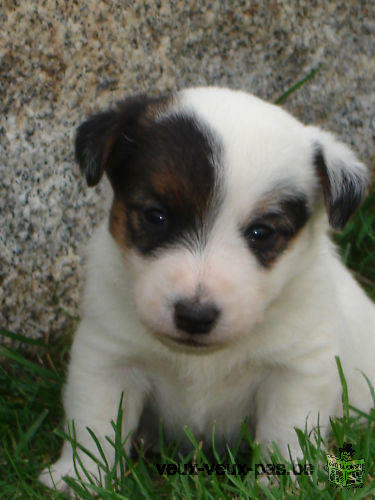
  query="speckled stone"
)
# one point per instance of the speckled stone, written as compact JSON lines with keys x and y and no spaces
{"x":61,"y":60}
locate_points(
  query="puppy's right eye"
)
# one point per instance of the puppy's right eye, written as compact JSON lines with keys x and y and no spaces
{"x":155,"y":217}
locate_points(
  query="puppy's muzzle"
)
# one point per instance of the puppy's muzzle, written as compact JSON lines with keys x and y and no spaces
{"x":195,"y":318}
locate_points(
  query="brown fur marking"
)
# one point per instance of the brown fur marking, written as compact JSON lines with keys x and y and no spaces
{"x":117,"y":224}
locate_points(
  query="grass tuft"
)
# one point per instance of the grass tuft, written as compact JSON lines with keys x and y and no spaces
{"x":31,"y":439}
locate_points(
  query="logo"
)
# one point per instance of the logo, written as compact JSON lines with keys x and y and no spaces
{"x":344,"y":470}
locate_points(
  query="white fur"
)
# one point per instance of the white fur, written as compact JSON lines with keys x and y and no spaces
{"x":271,"y":355}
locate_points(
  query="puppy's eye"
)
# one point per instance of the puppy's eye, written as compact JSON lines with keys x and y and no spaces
{"x":155,"y":217}
{"x":261,"y":237}
{"x":260,"y":234}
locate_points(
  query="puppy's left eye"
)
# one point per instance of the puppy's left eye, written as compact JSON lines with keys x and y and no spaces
{"x":260,"y":237}
{"x":260,"y":233}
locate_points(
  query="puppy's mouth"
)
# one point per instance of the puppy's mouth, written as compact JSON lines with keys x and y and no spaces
{"x":189,"y":342}
{"x":190,"y":345}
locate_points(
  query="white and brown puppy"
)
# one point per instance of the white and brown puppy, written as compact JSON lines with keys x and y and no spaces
{"x":213,"y":292}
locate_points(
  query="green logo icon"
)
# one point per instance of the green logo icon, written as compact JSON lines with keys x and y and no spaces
{"x":344,"y":470}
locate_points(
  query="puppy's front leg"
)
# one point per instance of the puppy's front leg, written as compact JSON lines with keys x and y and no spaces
{"x":92,"y":395}
{"x":288,"y":399}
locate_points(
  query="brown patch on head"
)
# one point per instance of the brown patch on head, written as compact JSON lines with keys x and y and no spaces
{"x":178,"y":190}
{"x":167,"y":184}
{"x":164,"y":173}
{"x":156,"y":108}
{"x":96,"y":137}
{"x":161,"y":166}
{"x":273,"y":227}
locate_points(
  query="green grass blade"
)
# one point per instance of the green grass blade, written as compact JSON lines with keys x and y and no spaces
{"x":98,"y":446}
{"x":38,"y":369}
{"x":299,"y":84}
{"x":345,"y":397}
{"x":30,"y":433}
{"x":23,"y":339}
{"x":371,"y":387}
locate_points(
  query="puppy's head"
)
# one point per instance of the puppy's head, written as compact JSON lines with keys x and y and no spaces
{"x":215,"y":192}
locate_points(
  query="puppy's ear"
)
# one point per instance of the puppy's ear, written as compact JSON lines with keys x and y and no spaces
{"x":96,"y":138}
{"x":342,"y":176}
{"x":94,"y":141}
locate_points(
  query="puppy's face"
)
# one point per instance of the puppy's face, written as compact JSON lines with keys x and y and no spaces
{"x":214,"y":193}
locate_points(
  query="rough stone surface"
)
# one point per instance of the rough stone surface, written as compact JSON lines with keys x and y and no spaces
{"x":61,"y":60}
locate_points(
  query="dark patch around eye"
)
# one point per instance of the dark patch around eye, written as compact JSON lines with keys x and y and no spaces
{"x":170,"y":168}
{"x":145,"y":234}
{"x":283,"y":224}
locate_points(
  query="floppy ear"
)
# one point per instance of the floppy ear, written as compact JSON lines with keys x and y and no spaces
{"x":94,"y":141}
{"x":342,"y":176}
{"x":97,"y":137}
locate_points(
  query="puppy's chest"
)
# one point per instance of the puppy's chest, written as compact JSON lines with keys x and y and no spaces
{"x":199,"y":394}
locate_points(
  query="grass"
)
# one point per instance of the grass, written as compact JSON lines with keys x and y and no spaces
{"x":357,"y":243}
{"x":31,"y":437}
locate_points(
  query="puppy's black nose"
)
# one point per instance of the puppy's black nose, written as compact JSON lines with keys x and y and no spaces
{"x":192,"y":317}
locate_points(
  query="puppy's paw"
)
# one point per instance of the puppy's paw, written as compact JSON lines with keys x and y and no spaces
{"x":268,"y":480}
{"x":52,"y":477}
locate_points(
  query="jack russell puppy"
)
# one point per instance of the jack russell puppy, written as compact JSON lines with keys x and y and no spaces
{"x":213,"y":292}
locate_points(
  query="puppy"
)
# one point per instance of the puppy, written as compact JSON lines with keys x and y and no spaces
{"x":213,"y":292}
